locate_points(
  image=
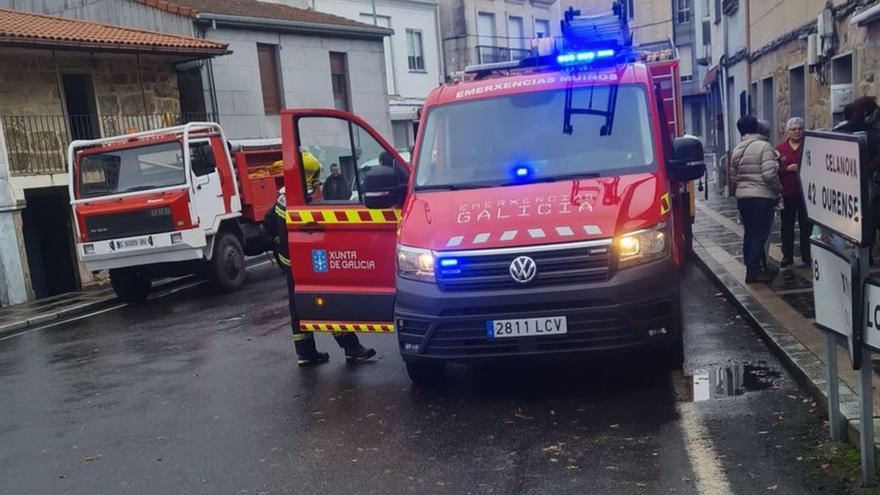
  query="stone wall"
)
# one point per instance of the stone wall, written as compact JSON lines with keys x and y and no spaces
{"x":33,"y":114}
{"x":29,"y":83}
{"x":864,"y":45}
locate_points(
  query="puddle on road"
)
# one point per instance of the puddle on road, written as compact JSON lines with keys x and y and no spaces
{"x":729,"y":380}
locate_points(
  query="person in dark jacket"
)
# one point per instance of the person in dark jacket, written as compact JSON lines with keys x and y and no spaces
{"x":755,"y":172}
{"x":275,"y":226}
{"x":336,"y":188}
{"x":793,"y":207}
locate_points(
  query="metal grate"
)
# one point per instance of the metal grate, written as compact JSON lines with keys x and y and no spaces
{"x":129,"y":224}
{"x":557,"y":267}
{"x":37,"y":144}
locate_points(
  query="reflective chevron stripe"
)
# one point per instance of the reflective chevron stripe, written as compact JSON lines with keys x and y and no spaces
{"x":345,"y":326}
{"x":665,"y":204}
{"x":343,"y":216}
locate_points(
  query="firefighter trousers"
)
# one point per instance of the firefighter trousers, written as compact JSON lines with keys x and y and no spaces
{"x":304,"y":342}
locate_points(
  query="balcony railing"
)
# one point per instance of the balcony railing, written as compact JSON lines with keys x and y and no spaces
{"x":494,"y":54}
{"x":37,"y":144}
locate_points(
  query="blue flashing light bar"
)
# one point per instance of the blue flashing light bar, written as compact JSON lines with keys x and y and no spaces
{"x":448,"y":262}
{"x":522,"y":172}
{"x":584,"y":57}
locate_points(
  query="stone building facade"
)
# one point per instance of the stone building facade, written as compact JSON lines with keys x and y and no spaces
{"x":62,"y":80}
{"x":790,"y":85}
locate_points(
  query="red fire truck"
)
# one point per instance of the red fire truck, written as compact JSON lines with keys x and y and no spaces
{"x":546,"y":212}
{"x":172,"y":201}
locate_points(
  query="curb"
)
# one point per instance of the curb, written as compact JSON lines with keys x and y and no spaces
{"x":807,"y":370}
{"x":105,"y":302}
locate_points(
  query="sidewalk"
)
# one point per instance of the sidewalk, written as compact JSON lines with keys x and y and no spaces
{"x":783,"y":311}
{"x":54,"y":308}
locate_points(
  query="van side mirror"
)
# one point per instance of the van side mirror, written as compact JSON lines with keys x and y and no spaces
{"x":382,"y":188}
{"x":687,"y":162}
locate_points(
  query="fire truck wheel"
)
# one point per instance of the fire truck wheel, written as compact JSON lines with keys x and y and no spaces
{"x":426,"y":374}
{"x":130,"y":285}
{"x":227,"y":264}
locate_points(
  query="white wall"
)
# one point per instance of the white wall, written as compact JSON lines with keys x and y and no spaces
{"x":403,"y":15}
{"x":304,"y":63}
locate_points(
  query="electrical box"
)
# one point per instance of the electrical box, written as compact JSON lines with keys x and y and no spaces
{"x":813,"y":50}
{"x":825,"y":30}
{"x":841,"y":96}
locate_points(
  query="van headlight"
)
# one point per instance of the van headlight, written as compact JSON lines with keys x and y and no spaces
{"x":415,"y":263}
{"x":642,"y":246}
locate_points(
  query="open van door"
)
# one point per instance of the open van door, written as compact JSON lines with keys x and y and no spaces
{"x":342,"y":253}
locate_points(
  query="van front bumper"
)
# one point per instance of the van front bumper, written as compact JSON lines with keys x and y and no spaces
{"x":638,"y":307}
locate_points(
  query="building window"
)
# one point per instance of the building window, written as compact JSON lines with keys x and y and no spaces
{"x":707,"y":33}
{"x":768,"y":100}
{"x":717,"y":11}
{"x":400,"y":130}
{"x":686,"y":63}
{"x":630,"y":9}
{"x":270,"y":78}
{"x":684,"y":11}
{"x":842,"y":90}
{"x":486,"y":29}
{"x":797,"y":94}
{"x":696,"y":119}
{"x":516,"y":38}
{"x":339,"y":80}
{"x":415,"y":51}
{"x":542,"y":28}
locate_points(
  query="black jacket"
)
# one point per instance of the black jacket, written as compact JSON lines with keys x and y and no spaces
{"x":336,"y":188}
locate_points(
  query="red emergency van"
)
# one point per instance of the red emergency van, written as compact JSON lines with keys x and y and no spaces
{"x":545,"y":213}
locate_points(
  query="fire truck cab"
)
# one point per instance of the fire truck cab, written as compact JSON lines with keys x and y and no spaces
{"x":545,"y":213}
{"x":173,"y":201}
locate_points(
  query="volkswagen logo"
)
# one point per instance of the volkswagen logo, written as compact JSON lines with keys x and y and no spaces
{"x":523,"y":269}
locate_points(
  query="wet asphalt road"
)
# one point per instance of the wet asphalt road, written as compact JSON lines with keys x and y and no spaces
{"x":196,"y":392}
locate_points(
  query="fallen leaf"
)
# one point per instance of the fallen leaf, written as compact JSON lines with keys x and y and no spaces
{"x":641,"y":484}
{"x":772,"y":487}
{"x":614,"y":426}
{"x":90,"y":459}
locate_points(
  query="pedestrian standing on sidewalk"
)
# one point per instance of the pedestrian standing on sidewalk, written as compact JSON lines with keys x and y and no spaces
{"x":755,"y":173}
{"x":793,"y":207}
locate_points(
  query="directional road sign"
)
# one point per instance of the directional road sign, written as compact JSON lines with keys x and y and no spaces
{"x":834,"y":180}
{"x":837,"y":304}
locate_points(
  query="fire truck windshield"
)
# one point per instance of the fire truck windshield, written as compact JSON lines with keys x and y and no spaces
{"x":539,"y":136}
{"x":133,"y":169}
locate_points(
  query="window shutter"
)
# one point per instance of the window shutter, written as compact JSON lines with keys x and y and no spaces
{"x":267,"y":58}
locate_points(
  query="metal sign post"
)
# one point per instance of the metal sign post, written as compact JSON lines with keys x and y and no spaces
{"x":834,"y":181}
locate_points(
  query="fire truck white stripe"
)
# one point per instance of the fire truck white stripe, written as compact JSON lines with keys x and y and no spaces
{"x":537,"y":233}
{"x":564,"y":231}
{"x":481,"y":238}
{"x":455,"y":241}
{"x":509,"y":235}
{"x":592,"y":229}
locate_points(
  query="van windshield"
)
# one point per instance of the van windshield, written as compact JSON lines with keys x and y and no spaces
{"x":134,"y":169}
{"x":575,"y":133}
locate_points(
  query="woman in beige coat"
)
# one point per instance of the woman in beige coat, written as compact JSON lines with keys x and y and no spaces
{"x":755,"y":172}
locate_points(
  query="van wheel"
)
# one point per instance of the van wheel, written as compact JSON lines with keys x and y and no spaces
{"x":227,"y":263}
{"x":426,"y":374}
{"x":130,"y":284}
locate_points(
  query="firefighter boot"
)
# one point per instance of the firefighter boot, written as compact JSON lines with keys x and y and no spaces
{"x":359,"y":353}
{"x":306,"y":352}
{"x":310,"y":359}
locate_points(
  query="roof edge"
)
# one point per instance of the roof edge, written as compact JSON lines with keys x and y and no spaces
{"x":52,"y":44}
{"x":366,"y":32}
